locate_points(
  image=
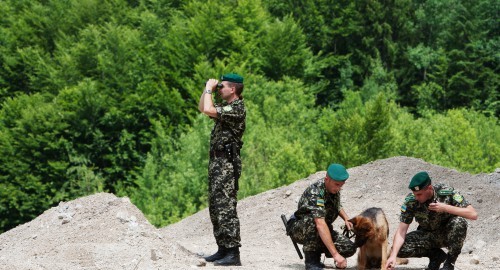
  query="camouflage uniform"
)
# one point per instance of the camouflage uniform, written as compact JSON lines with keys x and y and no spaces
{"x":435,"y":230}
{"x":224,"y":170}
{"x":317,"y":202}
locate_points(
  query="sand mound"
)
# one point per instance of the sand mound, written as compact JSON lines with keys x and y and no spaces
{"x":95,"y":232}
{"x":105,"y":232}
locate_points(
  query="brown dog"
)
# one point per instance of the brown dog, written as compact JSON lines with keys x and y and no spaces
{"x":371,"y":230}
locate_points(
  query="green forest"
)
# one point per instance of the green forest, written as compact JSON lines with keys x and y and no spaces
{"x":102,"y":95}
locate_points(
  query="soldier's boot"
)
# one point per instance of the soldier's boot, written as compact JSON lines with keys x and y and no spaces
{"x":449,"y":264}
{"x":232,"y":258}
{"x":313,"y":261}
{"x":436,"y":257}
{"x":221,"y":252}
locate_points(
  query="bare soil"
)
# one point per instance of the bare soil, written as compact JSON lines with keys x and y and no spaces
{"x":103,"y":231}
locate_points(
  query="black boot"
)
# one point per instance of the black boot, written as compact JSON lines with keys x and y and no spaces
{"x":449,"y":264}
{"x":221,"y":252}
{"x":313,"y":261}
{"x":232,"y":257}
{"x":436,"y":258}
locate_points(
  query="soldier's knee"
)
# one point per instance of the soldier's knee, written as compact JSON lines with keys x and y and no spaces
{"x":460,"y":221}
{"x":458,"y":224}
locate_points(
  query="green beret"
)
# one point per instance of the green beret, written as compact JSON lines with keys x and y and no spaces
{"x":419,"y":181}
{"x":232,"y":77}
{"x":337,"y":172}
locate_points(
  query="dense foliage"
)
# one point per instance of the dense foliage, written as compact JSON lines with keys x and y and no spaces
{"x":102,"y":95}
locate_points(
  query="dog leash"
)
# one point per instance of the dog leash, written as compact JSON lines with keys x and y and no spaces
{"x":347,"y":233}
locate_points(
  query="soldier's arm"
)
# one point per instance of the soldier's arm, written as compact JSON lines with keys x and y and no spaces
{"x":345,"y":217}
{"x":206,"y":104}
{"x":326,"y":237}
{"x":468,"y":212}
{"x":397,"y":243}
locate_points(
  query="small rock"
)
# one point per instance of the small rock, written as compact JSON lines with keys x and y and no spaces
{"x":288,"y":193}
{"x":474,"y":261}
{"x":201,"y":263}
{"x":156,"y":254}
{"x":122,"y":216}
{"x":480,"y":200}
{"x":467,"y":249}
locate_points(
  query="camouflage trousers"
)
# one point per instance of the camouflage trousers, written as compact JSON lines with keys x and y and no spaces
{"x":452,"y":236}
{"x":304,"y":232}
{"x":222,"y":202}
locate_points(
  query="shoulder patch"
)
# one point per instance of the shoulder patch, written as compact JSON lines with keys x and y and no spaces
{"x":403,"y":208}
{"x":227,"y":108}
{"x":320,"y":202}
{"x":410,"y":198}
{"x":458,"y":198}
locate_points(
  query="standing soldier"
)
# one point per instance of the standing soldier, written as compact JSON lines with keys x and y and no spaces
{"x":311,"y":224}
{"x":224,"y":166}
{"x":441,"y":213}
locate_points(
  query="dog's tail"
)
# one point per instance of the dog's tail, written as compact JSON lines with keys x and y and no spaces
{"x":401,"y":261}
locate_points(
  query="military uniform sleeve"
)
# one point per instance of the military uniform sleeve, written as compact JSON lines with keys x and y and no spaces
{"x":407,"y":213}
{"x":459,"y":200}
{"x":315,"y":204}
{"x":231,"y":114}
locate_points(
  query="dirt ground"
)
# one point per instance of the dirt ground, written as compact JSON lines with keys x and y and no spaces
{"x":103,"y":231}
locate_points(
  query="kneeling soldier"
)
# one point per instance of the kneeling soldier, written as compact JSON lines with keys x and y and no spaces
{"x":441,"y":213}
{"x":318,"y":208}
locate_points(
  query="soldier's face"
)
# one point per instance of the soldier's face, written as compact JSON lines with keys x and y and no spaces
{"x":225,"y":91}
{"x":424,"y":195}
{"x":333,"y":186}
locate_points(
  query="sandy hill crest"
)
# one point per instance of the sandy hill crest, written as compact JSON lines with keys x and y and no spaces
{"x":103,"y":231}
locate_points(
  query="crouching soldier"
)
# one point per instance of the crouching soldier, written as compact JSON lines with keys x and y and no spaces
{"x":441,"y":213}
{"x":311,"y":224}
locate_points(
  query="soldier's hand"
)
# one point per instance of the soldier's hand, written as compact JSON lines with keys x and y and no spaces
{"x":437,"y":207}
{"x":211,"y":84}
{"x":390,"y":265}
{"x":340,"y":262}
{"x":349,"y":225}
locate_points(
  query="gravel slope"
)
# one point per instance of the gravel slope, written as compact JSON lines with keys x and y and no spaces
{"x":102,"y":231}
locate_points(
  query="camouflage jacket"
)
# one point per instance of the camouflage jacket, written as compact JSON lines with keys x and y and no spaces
{"x":229,"y":125}
{"x":431,"y":220}
{"x":317,"y":202}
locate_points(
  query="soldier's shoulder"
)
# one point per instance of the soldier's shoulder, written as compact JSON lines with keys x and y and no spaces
{"x":410,"y":200}
{"x":317,"y":188}
{"x":444,"y":190}
{"x":410,"y":197}
{"x":238,"y":103}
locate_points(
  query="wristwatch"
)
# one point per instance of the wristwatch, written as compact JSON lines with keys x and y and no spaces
{"x":208,"y":91}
